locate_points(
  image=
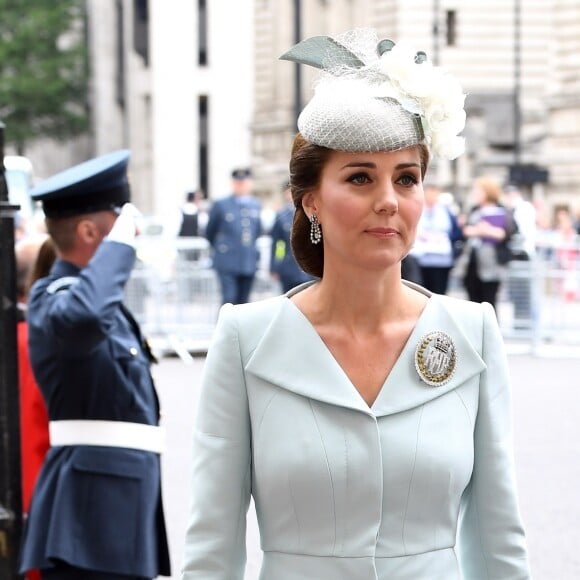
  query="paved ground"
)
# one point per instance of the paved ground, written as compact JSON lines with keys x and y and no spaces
{"x":546,"y":394}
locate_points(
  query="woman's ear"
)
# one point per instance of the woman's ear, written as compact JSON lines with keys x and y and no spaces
{"x":309,"y":203}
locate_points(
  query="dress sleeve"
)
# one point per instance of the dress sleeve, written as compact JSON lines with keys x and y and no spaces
{"x":491,"y":541}
{"x":215,"y":543}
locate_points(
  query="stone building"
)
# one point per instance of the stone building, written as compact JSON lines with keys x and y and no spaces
{"x":182,"y":92}
{"x":563,"y":82}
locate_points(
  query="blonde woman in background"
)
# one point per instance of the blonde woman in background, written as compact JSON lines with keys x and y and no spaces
{"x":488,"y":228}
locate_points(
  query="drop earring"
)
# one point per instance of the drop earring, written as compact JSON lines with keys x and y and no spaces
{"x":315,"y":231}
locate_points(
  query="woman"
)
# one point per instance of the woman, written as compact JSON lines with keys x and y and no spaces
{"x":437,"y":235}
{"x":488,"y":230}
{"x":34,"y":258}
{"x":368,"y":418}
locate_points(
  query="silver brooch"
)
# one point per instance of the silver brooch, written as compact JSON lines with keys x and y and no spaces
{"x":435,"y":358}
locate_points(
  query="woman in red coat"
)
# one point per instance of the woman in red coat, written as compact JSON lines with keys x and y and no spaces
{"x":34,"y":258}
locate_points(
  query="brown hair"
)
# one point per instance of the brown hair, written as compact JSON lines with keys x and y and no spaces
{"x":491,"y":189}
{"x":306,"y":164}
{"x":43,"y":263}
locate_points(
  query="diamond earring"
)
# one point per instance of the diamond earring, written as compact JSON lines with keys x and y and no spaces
{"x":315,"y":231}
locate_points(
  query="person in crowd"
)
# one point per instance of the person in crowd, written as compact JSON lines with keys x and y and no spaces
{"x":34,"y":258}
{"x":233,"y":228}
{"x":410,"y":269}
{"x":525,"y":217}
{"x":566,"y":251}
{"x":200,"y":200}
{"x":523,"y":245}
{"x":488,"y":230}
{"x":189,"y":226}
{"x":283,"y":265}
{"x":368,"y":417}
{"x":96,"y":511}
{"x":437,"y":234}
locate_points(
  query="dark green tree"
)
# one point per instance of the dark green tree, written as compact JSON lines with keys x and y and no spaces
{"x":43,"y":69}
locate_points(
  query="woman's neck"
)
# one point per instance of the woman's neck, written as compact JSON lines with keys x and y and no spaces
{"x":363,"y":302}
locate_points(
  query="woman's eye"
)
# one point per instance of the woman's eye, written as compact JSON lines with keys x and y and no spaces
{"x":359,"y":178}
{"x":408,"y":180}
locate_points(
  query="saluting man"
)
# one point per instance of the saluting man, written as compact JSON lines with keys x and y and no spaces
{"x":233,"y":227}
{"x":96,"y":512}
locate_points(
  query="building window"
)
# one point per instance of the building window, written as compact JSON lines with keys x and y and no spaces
{"x":202,"y":33}
{"x":203,"y":123}
{"x":451,"y":27}
{"x":141,"y":29}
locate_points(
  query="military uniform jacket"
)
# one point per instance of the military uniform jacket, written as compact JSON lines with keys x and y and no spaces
{"x":233,"y":227}
{"x":420,"y":486}
{"x":94,"y":507}
{"x":282,"y":260}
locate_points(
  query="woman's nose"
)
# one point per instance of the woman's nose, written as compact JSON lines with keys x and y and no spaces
{"x":386,"y":200}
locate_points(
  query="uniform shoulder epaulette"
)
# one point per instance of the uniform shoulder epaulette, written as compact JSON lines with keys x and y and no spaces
{"x":61,"y":284}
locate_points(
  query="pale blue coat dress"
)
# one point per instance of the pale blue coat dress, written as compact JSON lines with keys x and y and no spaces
{"x":420,"y":486}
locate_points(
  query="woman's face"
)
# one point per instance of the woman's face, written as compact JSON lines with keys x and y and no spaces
{"x":368,"y":205}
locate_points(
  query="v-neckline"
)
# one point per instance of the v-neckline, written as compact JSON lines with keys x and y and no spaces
{"x":398,"y":360}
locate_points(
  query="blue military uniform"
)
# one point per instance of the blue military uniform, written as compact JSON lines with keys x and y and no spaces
{"x":233,"y":227}
{"x":96,"y":507}
{"x":282,"y":260}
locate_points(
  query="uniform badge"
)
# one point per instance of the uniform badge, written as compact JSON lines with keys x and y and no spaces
{"x":435,"y":358}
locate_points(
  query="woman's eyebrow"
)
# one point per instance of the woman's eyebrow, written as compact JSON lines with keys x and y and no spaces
{"x":406,"y":165}
{"x":368,"y":164}
{"x":371,"y":165}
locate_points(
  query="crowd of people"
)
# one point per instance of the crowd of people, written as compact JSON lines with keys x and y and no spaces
{"x":461,"y":250}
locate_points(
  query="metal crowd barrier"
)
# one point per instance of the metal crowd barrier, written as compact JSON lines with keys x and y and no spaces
{"x":174,"y":294}
{"x":539,"y":300}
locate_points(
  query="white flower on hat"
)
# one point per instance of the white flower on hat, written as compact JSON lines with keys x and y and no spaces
{"x":428,"y":91}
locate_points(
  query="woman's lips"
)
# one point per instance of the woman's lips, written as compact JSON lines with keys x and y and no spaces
{"x":382,"y":232}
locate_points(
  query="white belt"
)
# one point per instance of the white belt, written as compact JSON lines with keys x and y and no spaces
{"x":107,"y":434}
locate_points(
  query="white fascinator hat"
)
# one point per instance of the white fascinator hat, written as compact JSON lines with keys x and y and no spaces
{"x":375,"y":95}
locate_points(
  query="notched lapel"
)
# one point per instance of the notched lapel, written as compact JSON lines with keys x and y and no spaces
{"x":292,"y":356}
{"x":404,"y":388}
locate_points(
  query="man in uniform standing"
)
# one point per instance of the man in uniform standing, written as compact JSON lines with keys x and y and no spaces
{"x":283,"y":265}
{"x":96,"y":511}
{"x":233,"y":227}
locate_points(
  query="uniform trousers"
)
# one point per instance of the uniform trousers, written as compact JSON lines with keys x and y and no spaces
{"x":236,"y":288}
{"x":63,"y":571}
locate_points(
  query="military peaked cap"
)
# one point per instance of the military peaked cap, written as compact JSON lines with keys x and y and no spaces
{"x":95,"y":185}
{"x":241,"y":173}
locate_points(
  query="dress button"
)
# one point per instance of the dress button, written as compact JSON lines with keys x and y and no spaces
{"x":133,"y":351}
